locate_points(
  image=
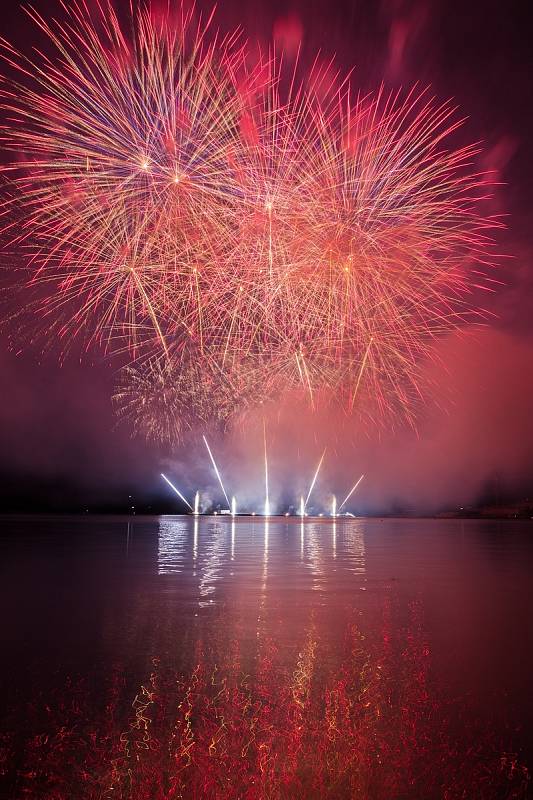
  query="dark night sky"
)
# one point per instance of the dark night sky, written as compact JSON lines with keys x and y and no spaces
{"x":59,"y":446}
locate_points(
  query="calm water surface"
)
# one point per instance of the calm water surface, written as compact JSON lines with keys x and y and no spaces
{"x":170,"y":657}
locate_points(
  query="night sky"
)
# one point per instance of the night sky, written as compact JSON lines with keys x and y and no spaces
{"x":60,"y":447}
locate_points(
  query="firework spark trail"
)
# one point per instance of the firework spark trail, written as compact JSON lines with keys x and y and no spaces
{"x":314,"y":478}
{"x":360,"y":375}
{"x":177,"y":491}
{"x":216,"y":471}
{"x":152,"y":313}
{"x":352,"y":490}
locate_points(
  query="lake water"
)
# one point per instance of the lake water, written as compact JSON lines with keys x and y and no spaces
{"x":178,"y":658}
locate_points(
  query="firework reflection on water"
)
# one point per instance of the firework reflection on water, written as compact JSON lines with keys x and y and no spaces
{"x":249,"y":654}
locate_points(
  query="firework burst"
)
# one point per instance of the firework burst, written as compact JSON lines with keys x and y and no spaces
{"x":236,"y":236}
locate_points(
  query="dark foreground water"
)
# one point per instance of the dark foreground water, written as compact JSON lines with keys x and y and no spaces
{"x":172,"y":658}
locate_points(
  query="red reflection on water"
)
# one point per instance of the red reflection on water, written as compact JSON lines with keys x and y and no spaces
{"x":367,"y":724}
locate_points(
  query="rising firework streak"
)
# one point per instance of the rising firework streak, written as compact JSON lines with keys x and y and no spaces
{"x":267,"y":499}
{"x":314,"y":478}
{"x":352,"y":490}
{"x":177,"y":491}
{"x":217,"y":472}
